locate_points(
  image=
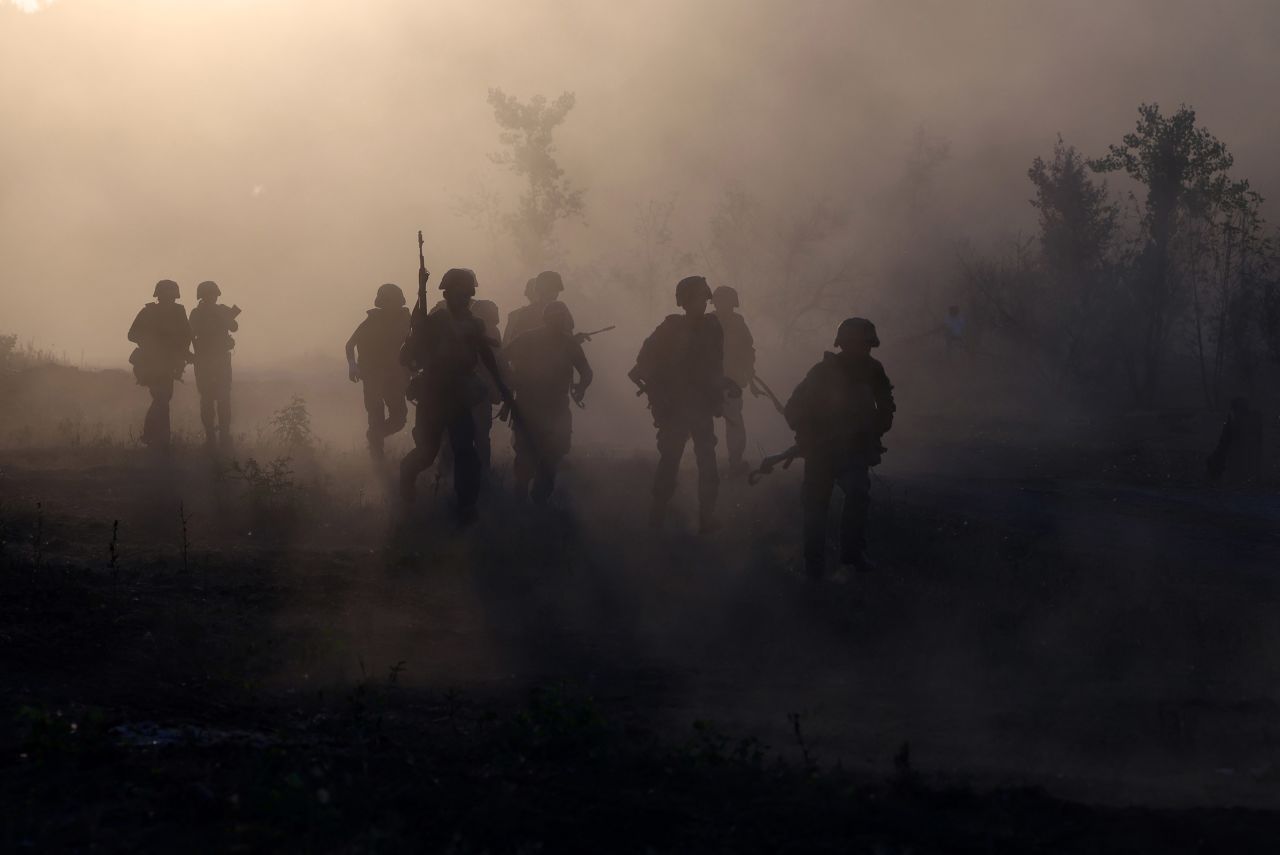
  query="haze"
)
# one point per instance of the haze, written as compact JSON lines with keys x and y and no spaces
{"x":290,"y":149}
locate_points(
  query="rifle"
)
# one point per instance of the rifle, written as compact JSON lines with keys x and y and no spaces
{"x":586,"y":336}
{"x":767,"y":465}
{"x":759,"y":387}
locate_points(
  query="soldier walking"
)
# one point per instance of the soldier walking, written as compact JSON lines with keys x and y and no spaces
{"x":211,"y":327}
{"x":445,"y":348}
{"x":163,"y":338}
{"x":373,"y":358}
{"x":541,"y":291}
{"x":543,"y":361}
{"x":840,"y":410}
{"x":739,"y":369}
{"x":681,"y":369}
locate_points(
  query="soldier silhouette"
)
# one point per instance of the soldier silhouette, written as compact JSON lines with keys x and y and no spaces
{"x":839,"y":412}
{"x":445,"y":348}
{"x":163,"y":338}
{"x":373,"y":359}
{"x":543,"y":361}
{"x":681,"y":368}
{"x":541,"y":290}
{"x":739,"y":369}
{"x":211,"y":327}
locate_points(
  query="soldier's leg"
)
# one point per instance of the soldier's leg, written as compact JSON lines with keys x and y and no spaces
{"x":816,"y":498}
{"x":466,"y":462}
{"x":208,"y":400}
{"x":855,"y":482}
{"x":482,"y":413}
{"x":673,"y":433}
{"x":428,"y":430}
{"x":376,"y":412}
{"x":397,"y":408}
{"x":702,"y":429}
{"x":555,"y":435}
{"x":735,"y":432}
{"x":525,"y":465}
{"x":155,"y":429}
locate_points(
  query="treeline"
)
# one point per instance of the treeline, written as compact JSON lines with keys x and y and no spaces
{"x":1127,"y":296}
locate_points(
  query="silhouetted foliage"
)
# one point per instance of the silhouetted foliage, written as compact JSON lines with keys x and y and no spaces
{"x":529,"y":152}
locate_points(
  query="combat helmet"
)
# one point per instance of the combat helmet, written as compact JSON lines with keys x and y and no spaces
{"x":548,"y":285}
{"x":725,"y":297}
{"x":487,"y":311}
{"x":459,"y":279}
{"x":208,"y":288}
{"x":166,"y":288}
{"x":854,"y":330}
{"x":389,"y":296}
{"x":691,"y":288}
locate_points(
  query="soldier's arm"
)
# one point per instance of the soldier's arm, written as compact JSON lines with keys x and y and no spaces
{"x":751,"y":348}
{"x":351,"y":344}
{"x":882,"y":391}
{"x":137,"y":330}
{"x":580,"y":364}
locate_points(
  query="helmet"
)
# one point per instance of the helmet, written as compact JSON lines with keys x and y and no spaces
{"x":528,"y":289}
{"x":459,"y":279}
{"x":557,"y":313}
{"x":487,"y":311}
{"x":856,"y":329}
{"x":208,"y":288}
{"x":389,"y":297}
{"x":725,"y":297}
{"x":548,"y":285}
{"x":166,"y":288}
{"x":692,"y":287}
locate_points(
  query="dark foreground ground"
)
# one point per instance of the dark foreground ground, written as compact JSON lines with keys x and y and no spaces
{"x":1065,"y":657}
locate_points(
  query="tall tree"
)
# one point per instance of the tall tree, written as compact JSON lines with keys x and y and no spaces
{"x":529,"y":151}
{"x":1185,"y":169}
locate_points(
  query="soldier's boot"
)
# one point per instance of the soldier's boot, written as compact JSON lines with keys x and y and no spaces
{"x":410,"y":468}
{"x":376,"y":449}
{"x":224,"y":440}
{"x":544,"y":483}
{"x":210,"y":439}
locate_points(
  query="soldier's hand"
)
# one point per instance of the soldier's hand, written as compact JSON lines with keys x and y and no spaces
{"x":235,"y":311}
{"x":353,"y":372}
{"x":423,"y":276}
{"x":579,"y":393}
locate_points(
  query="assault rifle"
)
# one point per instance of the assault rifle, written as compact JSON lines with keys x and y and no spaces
{"x":767,"y":465}
{"x":586,"y":336}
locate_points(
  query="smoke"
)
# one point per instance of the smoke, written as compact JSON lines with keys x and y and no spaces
{"x":31,"y":6}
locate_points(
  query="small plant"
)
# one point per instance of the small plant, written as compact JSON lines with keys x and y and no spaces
{"x":270,"y":484}
{"x":291,"y":425}
{"x":113,"y":551}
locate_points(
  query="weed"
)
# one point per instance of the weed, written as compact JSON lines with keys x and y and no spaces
{"x":185,"y":519}
{"x":291,"y":425}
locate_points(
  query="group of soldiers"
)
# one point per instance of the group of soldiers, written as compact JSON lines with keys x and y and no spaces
{"x":452,"y":364}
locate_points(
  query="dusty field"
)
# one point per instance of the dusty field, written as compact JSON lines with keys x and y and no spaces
{"x":298,"y":667}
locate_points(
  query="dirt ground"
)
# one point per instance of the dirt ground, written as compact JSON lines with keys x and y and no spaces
{"x":1068,"y":646}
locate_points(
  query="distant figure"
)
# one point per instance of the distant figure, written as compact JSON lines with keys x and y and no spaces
{"x":540,"y":291}
{"x":543,"y":361}
{"x":839,"y":412}
{"x":163,"y":338}
{"x":739,"y":369}
{"x":211,"y":327}
{"x":681,"y":368}
{"x":445,"y":348}
{"x":373,"y":358}
{"x":953,"y":329}
{"x":1239,"y":456}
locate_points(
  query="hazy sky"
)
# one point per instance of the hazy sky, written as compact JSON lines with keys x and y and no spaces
{"x":290,"y":149}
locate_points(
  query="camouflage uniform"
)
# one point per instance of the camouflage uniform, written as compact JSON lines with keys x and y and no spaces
{"x":163,"y":338}
{"x":446,"y":348}
{"x":543,"y":362}
{"x":211,"y":328}
{"x":374,"y":350}
{"x":839,"y":412}
{"x":681,"y":367}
